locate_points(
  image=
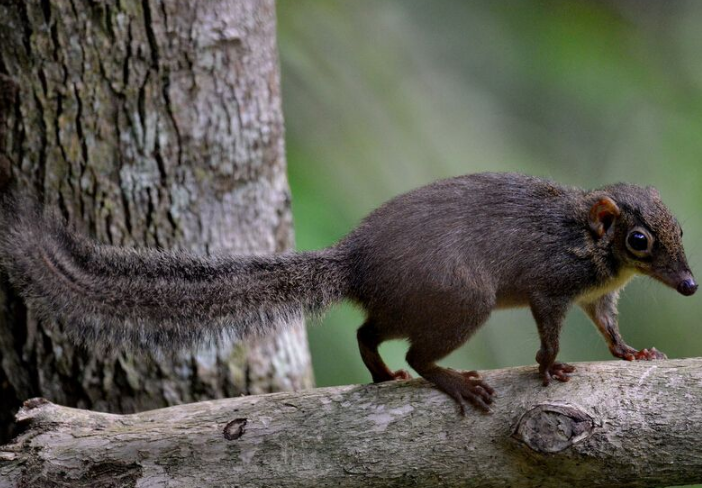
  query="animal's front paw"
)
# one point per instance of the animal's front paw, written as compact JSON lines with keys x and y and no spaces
{"x":557,"y":371}
{"x":630,"y":354}
{"x":649,"y":354}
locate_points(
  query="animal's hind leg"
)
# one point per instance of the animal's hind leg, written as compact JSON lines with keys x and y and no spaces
{"x":369,"y":338}
{"x":455,"y":328}
{"x":463,"y":386}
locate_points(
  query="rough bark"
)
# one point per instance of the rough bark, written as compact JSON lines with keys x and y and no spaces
{"x":156,"y":123}
{"x":616,"y":424}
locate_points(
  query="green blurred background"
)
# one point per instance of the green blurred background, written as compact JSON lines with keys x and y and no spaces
{"x":384,"y":96}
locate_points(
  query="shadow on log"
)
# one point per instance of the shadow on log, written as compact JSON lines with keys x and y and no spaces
{"x":615,"y":424}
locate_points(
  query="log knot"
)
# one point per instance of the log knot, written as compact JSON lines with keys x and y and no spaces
{"x":549,"y":428}
{"x":234,"y":429}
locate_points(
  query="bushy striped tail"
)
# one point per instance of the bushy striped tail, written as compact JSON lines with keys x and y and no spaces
{"x":120,"y":297}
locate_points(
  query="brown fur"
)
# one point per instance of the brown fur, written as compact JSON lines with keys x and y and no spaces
{"x":428,"y":266}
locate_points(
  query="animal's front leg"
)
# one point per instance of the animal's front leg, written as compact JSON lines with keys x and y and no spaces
{"x":549,"y":314}
{"x":603,"y":312}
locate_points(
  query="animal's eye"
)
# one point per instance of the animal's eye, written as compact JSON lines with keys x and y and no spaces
{"x":637,"y":242}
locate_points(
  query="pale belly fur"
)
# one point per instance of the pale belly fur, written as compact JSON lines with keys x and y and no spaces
{"x":588,"y":296}
{"x":616,"y":283}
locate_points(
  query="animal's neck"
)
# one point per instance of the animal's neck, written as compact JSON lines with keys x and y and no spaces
{"x":616,"y":282}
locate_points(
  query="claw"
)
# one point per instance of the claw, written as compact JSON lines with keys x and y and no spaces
{"x":650,"y":354}
{"x":476,"y":400}
{"x":401,"y":374}
{"x":483,"y":393}
{"x":470,"y":374}
{"x":472,"y":390}
{"x":557,"y":371}
{"x":465,"y":387}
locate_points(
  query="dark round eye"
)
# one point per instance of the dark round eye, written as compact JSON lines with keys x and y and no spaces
{"x":637,"y":241}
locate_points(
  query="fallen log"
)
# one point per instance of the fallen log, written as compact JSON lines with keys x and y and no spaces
{"x":614,"y":424}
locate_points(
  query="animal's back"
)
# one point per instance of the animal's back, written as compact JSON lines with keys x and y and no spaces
{"x":466,"y":231}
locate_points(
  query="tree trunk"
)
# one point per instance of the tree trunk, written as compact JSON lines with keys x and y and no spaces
{"x":148,"y":123}
{"x":616,"y":424}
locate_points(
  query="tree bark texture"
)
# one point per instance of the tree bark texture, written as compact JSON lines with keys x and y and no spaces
{"x":615,"y":424}
{"x":148,"y":123}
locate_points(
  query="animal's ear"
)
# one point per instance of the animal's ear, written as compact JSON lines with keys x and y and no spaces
{"x":602,"y":215}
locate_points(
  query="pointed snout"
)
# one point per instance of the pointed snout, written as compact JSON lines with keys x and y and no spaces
{"x":681,"y":280}
{"x":687,"y":287}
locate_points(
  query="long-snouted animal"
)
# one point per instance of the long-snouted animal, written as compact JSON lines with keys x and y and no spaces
{"x":429,"y":266}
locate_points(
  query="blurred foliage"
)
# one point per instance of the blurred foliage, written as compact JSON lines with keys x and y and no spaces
{"x":384,"y":96}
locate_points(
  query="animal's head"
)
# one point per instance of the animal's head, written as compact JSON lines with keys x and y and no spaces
{"x":643,"y":234}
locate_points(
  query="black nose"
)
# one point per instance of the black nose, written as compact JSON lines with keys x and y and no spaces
{"x":687,"y":287}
